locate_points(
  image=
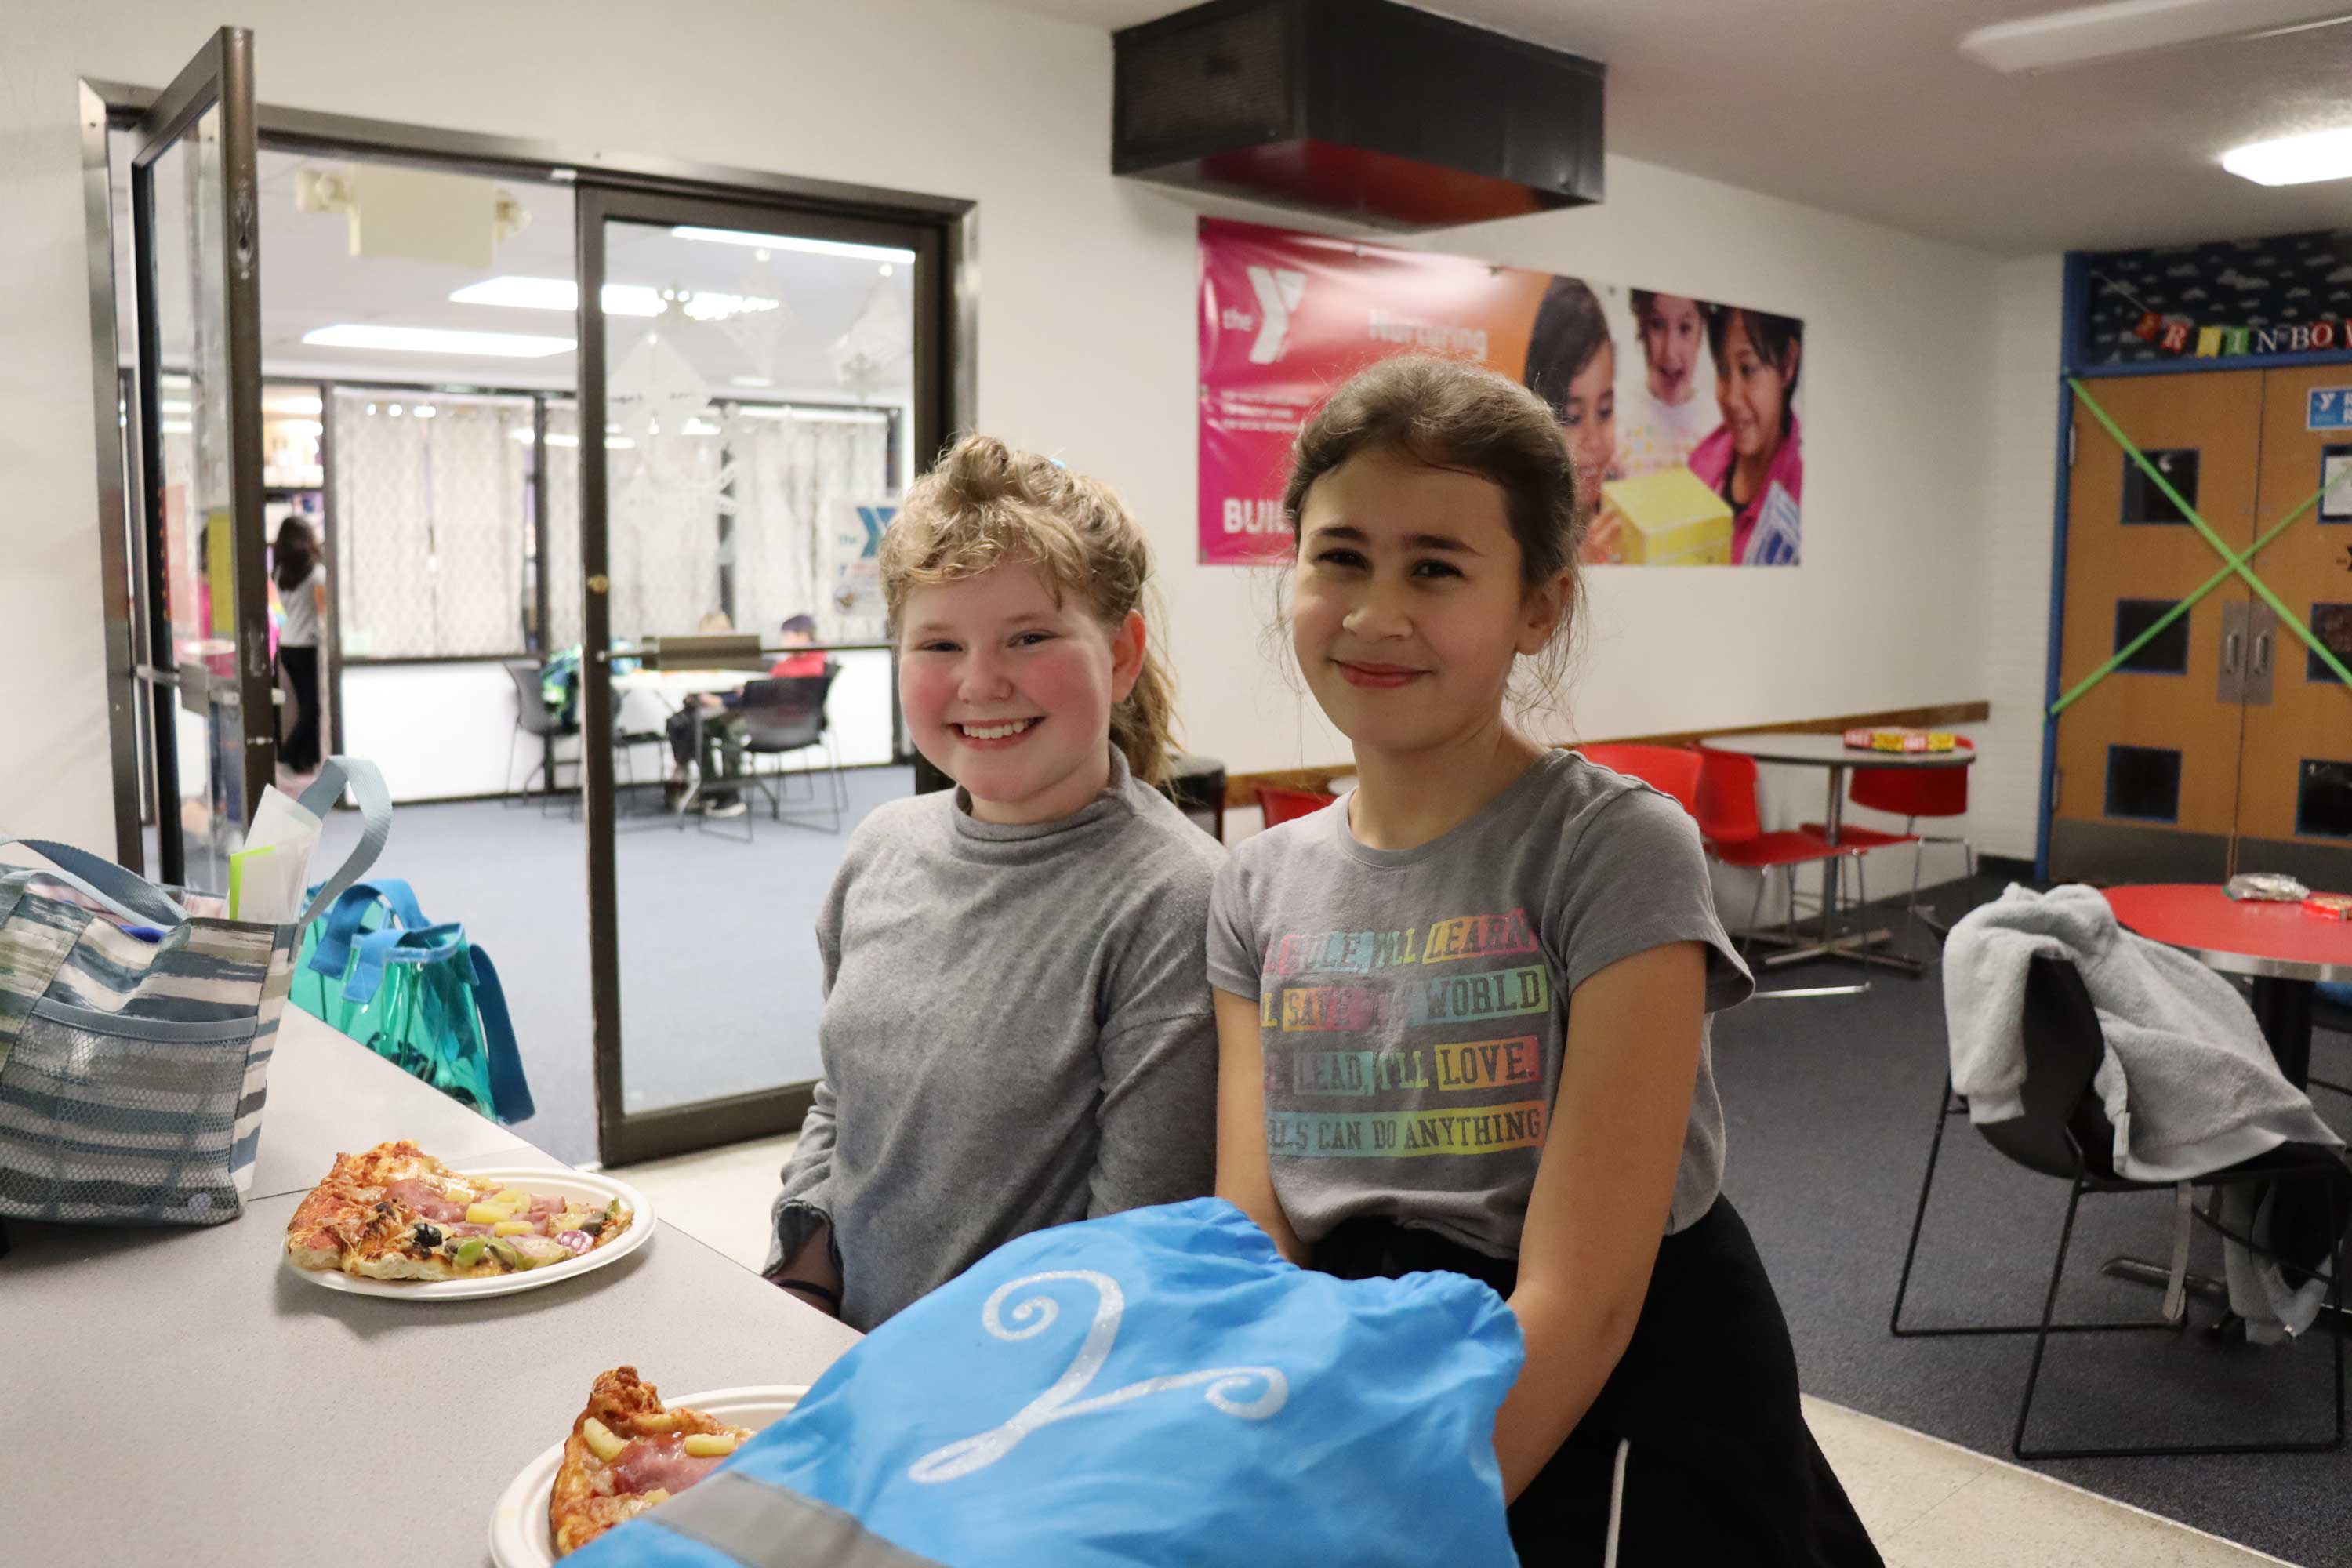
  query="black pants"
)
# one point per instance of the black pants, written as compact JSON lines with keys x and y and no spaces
{"x":301,"y":751}
{"x":719,"y":734}
{"x":1720,"y":1467}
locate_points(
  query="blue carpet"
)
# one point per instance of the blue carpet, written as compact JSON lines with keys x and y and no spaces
{"x":721,"y":986}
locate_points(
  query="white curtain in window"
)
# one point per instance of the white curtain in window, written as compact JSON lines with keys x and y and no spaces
{"x":662,"y":535}
{"x":480,"y":516}
{"x":794,"y":478}
{"x":382,"y":571}
{"x":430,"y":521}
{"x":561,"y":470}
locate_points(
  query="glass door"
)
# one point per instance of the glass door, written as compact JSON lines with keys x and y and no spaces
{"x":197,"y":264}
{"x":755,"y":383}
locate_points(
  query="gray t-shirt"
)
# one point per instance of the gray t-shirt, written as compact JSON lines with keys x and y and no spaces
{"x":1412,"y":1003}
{"x":1017,"y":1034}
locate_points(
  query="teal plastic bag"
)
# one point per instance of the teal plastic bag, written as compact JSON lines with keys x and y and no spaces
{"x":418,"y":995}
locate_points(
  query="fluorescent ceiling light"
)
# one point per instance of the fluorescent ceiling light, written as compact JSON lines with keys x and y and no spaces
{"x":292,"y":403}
{"x":435,"y":340}
{"x":171,"y":427}
{"x":705,"y":306}
{"x":172,"y":406}
{"x":2291,"y":160}
{"x":620,"y":299}
{"x":559,"y":294}
{"x":558,"y":439}
{"x":2118,"y":28}
{"x":813,"y":416}
{"x":748,"y":380}
{"x":794,"y":242}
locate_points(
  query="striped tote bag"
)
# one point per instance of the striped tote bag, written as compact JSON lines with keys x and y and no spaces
{"x":135,"y":1038}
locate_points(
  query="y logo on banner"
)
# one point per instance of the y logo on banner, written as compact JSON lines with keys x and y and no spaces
{"x":1278,"y":290}
{"x":875,"y":519}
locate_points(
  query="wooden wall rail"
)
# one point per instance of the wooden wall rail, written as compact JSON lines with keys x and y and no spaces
{"x":1241,"y":789}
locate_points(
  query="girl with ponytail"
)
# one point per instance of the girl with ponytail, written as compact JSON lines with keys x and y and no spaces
{"x":1017,"y":1029}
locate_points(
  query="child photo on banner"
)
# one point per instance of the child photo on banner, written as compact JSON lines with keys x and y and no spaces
{"x":1682,"y":413}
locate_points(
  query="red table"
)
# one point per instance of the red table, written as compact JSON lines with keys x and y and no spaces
{"x":2283,"y":949}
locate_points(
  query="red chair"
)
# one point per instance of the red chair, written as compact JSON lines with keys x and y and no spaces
{"x":1282,"y":805}
{"x":1734,"y":831}
{"x":1910,"y":793}
{"x":1674,"y":770}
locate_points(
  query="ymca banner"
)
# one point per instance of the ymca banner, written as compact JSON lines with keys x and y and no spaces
{"x":1682,"y":414}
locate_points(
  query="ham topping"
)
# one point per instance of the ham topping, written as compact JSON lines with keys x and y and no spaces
{"x":650,"y":1462}
{"x":427,"y":1200}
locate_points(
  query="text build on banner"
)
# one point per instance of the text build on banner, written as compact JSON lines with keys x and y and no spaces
{"x":1682,"y":414}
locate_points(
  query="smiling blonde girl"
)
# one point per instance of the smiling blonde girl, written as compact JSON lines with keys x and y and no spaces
{"x":1017,"y":1029}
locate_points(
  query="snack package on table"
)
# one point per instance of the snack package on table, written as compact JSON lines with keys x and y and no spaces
{"x":1902,"y":739}
{"x":1159,"y":1386}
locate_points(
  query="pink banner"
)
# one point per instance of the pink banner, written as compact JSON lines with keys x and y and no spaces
{"x":1683,"y":465}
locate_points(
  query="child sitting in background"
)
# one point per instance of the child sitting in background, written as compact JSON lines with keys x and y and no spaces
{"x":1017,"y":1031}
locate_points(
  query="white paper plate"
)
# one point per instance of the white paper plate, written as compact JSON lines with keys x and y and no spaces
{"x":548,"y":1180}
{"x":519,"y":1536}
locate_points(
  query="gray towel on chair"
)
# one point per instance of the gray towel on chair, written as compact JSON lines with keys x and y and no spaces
{"x":2187,"y":1079}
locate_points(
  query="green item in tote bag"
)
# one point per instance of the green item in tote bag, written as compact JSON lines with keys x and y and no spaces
{"x":133,"y":1069}
{"x":416,"y":993}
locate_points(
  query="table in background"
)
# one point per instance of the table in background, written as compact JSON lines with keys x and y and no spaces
{"x":206,"y":1402}
{"x":1796,"y":749}
{"x":2284,"y":951}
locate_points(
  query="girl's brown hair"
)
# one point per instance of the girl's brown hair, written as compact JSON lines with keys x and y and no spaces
{"x":985,"y":505}
{"x":1446,"y":413}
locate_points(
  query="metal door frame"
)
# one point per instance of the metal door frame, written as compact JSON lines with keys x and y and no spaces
{"x":108,"y":106}
{"x":622,"y":1136}
{"x":139,"y":653}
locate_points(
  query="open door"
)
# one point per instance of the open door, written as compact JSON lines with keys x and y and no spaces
{"x":706,"y":509}
{"x":204,"y":664}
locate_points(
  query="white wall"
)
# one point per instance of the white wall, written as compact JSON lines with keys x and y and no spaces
{"x":2012,"y":631}
{"x":1086,"y":336}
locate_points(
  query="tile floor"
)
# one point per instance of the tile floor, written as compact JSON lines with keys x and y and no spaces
{"x":1928,"y":1503}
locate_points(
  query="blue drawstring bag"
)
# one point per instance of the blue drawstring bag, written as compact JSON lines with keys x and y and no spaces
{"x":1157,"y":1387}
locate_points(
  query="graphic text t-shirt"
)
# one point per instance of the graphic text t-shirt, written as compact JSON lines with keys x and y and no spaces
{"x":1412,"y":1004}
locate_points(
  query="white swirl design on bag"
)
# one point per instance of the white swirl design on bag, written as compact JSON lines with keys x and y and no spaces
{"x":1032,"y":1317}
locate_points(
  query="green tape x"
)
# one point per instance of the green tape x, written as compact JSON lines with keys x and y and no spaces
{"x":2233,"y":563}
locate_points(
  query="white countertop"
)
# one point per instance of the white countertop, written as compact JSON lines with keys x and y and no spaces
{"x":198,"y":1403}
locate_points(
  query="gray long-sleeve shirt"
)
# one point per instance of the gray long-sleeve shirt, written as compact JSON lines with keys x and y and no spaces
{"x":1017,"y":1034}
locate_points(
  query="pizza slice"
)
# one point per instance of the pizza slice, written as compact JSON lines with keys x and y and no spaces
{"x":393,"y":1212}
{"x":626,"y":1454}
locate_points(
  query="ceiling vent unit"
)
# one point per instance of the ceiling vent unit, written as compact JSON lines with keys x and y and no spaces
{"x":1358,"y":109}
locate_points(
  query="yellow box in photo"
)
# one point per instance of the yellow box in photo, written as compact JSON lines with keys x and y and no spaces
{"x":1670,"y":518}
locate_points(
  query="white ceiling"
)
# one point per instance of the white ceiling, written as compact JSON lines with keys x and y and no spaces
{"x":1868,"y":108}
{"x":309,"y":280}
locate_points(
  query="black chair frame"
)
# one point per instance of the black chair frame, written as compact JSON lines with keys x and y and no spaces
{"x":533,"y":717}
{"x":780,"y":715}
{"x":2065,"y":1132}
